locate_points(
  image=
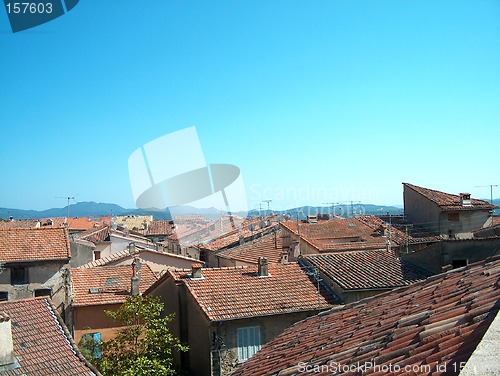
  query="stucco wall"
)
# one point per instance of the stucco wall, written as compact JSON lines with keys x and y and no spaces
{"x":441,"y":255}
{"x":42,"y":275}
{"x":469,"y":221}
{"x":93,"y":319}
{"x":422,"y":211}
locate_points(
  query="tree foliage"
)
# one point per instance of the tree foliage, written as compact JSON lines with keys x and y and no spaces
{"x":144,"y":346}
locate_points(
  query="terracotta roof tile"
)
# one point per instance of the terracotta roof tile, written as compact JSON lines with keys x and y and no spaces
{"x":448,"y":201}
{"x":238,"y":292}
{"x":95,"y":235}
{"x":358,"y":270}
{"x":88,"y":223}
{"x":111,"y":283}
{"x":269,"y":246}
{"x":430,"y":323}
{"x":42,"y":344}
{"x":45,"y":243}
{"x":249,"y":228}
{"x":159,"y":227}
{"x":364,"y":232}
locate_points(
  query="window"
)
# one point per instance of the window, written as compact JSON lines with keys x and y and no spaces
{"x":90,"y":342}
{"x":4,"y":295}
{"x":43,"y":292}
{"x":453,"y":216}
{"x":459,"y":263}
{"x":19,"y":276}
{"x":248,"y":342}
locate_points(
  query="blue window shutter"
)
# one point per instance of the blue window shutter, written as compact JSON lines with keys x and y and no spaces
{"x":97,"y":340}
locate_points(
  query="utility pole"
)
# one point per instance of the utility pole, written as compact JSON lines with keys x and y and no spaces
{"x":491,"y":190}
{"x":68,"y":198}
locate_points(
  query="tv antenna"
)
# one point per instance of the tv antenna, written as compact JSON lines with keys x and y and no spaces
{"x":268,"y":202}
{"x":67,"y":198}
{"x":491,"y":190}
{"x":332,"y":204}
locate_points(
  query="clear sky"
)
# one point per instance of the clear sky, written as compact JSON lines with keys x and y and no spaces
{"x":315,"y":101}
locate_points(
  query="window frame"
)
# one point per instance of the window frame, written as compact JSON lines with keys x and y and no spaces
{"x":15,"y":280}
{"x":248,"y":342}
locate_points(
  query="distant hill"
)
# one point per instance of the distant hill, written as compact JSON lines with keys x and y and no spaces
{"x":90,"y":208}
{"x":342,"y":210}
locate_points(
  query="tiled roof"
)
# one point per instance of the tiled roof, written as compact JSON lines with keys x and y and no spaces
{"x":448,"y":201}
{"x":160,"y":227}
{"x":364,"y":232}
{"x":33,"y":223}
{"x":95,"y":235}
{"x":248,"y":229}
{"x":124,"y":254}
{"x":269,"y":246}
{"x":88,"y":223}
{"x":113,"y":282}
{"x":42,"y":343}
{"x":19,"y":223}
{"x":238,"y":292}
{"x":438,"y":321}
{"x":45,"y":243}
{"x":360,"y":270}
{"x":496,"y":221}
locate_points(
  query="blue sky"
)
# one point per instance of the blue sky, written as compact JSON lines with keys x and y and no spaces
{"x":315,"y":101}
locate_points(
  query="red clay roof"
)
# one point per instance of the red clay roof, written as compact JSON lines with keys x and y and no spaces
{"x":41,"y":344}
{"x":45,"y":243}
{"x":448,"y":201}
{"x":360,"y":270}
{"x":159,"y":227}
{"x":248,"y":228}
{"x":437,"y":321}
{"x":364,"y":232}
{"x":269,"y":246}
{"x":113,"y":284}
{"x":95,"y":235}
{"x":88,"y":223}
{"x":33,"y":223}
{"x":235,"y":293}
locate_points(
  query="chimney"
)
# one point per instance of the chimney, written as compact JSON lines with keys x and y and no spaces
{"x":284,"y":257}
{"x":135,"y":285}
{"x":134,"y":288}
{"x":196,"y":270}
{"x":263,"y":267}
{"x":465,"y":199}
{"x":6,"y":344}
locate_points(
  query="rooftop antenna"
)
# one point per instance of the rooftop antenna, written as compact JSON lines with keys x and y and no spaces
{"x":67,"y":198}
{"x":268,"y":202}
{"x":491,"y":190}
{"x":332,"y":204}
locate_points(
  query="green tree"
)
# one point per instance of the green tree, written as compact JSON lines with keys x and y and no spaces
{"x":145,"y":346}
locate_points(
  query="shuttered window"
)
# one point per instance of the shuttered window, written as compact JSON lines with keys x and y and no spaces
{"x":248,"y":342}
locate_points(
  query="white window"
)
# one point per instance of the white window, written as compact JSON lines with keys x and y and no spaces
{"x":248,"y":342}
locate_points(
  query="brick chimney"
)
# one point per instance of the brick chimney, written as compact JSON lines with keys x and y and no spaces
{"x":196,"y":270}
{"x":263,"y":270}
{"x":6,"y":344}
